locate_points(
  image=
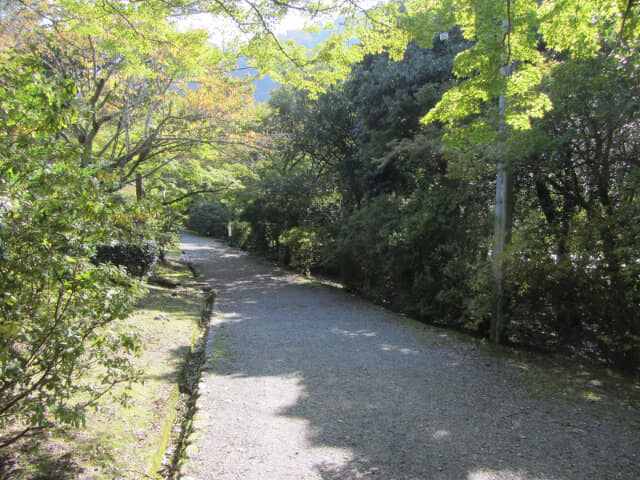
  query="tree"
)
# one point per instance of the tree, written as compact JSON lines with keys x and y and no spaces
{"x":388,"y":99}
{"x":515,"y":45}
{"x":92,"y":97}
{"x":143,"y":103}
{"x":315,"y":134}
{"x":58,"y":311}
{"x":581,"y":169}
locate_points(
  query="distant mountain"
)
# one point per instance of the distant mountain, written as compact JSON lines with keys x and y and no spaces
{"x":263,"y":87}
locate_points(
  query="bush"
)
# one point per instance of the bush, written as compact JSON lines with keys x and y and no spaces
{"x":209,"y":218}
{"x":168,"y":225}
{"x":60,"y":311}
{"x":302,"y":248}
{"x":240,"y":232}
{"x":414,"y":252}
{"x":582,"y":302}
{"x":137,"y":259}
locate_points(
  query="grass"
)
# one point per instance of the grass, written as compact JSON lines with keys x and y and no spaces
{"x":319,"y":283}
{"x":314,"y":285}
{"x":549,"y":376}
{"x":220,"y":356}
{"x":128,"y":443}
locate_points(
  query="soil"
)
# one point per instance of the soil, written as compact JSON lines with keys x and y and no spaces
{"x":305,"y":381}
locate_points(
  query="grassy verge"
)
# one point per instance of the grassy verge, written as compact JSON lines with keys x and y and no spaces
{"x":120,"y":442}
{"x":549,"y":376}
{"x":545,"y":376}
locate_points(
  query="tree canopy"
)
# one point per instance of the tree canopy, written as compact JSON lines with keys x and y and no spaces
{"x":95,"y":97}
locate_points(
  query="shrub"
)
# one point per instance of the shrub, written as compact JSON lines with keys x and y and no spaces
{"x":137,"y":259}
{"x":580,"y":301}
{"x":302,"y":248}
{"x":414,"y":252}
{"x":60,"y":312}
{"x":166,"y":230}
{"x":208,"y":218}
{"x":240,"y":232}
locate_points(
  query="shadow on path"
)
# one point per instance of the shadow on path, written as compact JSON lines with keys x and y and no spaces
{"x":325,"y":386}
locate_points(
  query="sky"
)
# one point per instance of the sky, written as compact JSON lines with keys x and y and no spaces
{"x":222,"y":31}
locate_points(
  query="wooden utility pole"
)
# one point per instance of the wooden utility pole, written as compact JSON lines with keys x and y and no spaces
{"x":503,"y":213}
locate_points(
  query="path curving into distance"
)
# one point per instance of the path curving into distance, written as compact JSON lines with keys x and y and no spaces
{"x":307,"y":382}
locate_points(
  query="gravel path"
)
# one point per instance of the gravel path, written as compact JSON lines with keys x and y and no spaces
{"x":313,"y":383}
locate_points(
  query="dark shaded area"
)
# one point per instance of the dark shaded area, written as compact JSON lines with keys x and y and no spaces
{"x":44,"y":463}
{"x":137,"y":259}
{"x":53,"y":467}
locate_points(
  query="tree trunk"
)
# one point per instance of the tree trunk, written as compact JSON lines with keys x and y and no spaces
{"x":139,"y":188}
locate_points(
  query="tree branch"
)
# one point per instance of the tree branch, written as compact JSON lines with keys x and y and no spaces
{"x":507,"y":35}
{"x":196,"y":192}
{"x":270,"y":33}
{"x":625,"y":16}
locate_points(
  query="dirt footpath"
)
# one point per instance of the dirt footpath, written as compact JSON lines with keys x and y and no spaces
{"x":309,"y":382}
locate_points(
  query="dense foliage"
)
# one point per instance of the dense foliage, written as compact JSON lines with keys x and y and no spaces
{"x":58,"y":311}
{"x":208,"y":218}
{"x":138,"y":260}
{"x":358,"y":187}
{"x":576,"y":247}
{"x":102,"y":140}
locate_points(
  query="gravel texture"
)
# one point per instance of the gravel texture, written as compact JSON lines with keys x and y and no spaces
{"x":307,"y":382}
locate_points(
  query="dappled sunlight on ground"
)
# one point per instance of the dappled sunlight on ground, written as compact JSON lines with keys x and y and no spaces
{"x":319,"y":385}
{"x":440,"y":435}
{"x":502,"y":475}
{"x":263,"y":421}
{"x":359,"y":333}
{"x":395,"y":348}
